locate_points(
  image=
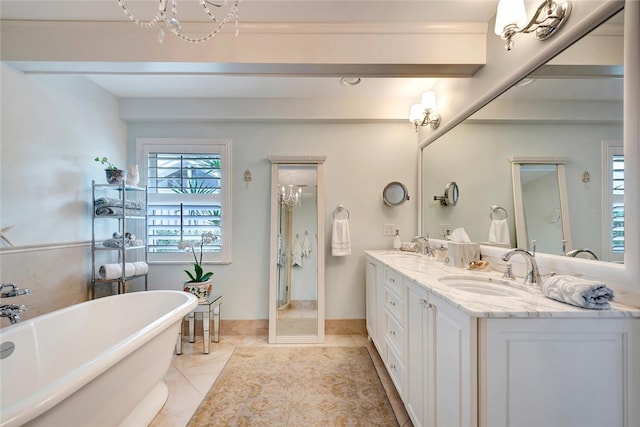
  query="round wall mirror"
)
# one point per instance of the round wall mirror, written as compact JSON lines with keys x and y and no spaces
{"x":451,"y":194}
{"x":395,"y":194}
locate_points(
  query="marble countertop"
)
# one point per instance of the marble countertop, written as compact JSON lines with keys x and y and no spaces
{"x":527,"y":301}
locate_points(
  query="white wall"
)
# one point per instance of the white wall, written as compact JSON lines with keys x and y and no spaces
{"x":361,"y":159}
{"x":52,"y":128}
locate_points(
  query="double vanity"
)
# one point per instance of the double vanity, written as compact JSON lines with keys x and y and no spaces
{"x":468,"y":348}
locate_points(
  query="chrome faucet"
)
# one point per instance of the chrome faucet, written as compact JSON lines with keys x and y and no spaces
{"x":12,"y":311}
{"x":426,"y":249}
{"x":575,"y":252}
{"x":14,"y":292}
{"x":533,"y":274}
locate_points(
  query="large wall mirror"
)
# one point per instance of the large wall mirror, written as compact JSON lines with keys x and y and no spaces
{"x":570,"y":108}
{"x":296,"y":302}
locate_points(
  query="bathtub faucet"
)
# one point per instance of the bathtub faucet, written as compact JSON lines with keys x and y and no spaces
{"x":14,"y":292}
{"x":12,"y":311}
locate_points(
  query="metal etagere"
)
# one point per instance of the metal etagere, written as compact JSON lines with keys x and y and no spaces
{"x":126,"y":253}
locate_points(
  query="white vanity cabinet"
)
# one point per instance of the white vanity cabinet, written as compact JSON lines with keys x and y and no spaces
{"x":442,"y":362}
{"x":420,"y":357}
{"x":395,"y":329}
{"x":375,"y":319}
{"x":559,"y":372}
{"x":479,"y":362}
{"x":371,"y":283}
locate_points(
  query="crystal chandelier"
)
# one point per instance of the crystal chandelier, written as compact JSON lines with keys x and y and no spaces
{"x":290,"y":198}
{"x":168,"y":20}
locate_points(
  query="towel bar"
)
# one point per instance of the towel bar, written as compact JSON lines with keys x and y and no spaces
{"x":495,"y":208}
{"x":339,"y":210}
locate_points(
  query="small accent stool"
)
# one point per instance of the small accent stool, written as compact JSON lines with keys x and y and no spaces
{"x":210,"y":313}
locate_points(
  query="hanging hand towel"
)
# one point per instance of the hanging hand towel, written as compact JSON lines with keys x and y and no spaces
{"x":296,"y":254}
{"x":577,"y":291}
{"x":499,"y":232}
{"x":306,"y":247}
{"x":340,"y":240}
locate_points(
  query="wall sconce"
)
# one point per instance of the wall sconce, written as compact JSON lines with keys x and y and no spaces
{"x":424,"y":114}
{"x":511,"y":18}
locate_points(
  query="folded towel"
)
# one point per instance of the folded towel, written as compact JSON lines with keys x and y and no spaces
{"x":140,"y":267}
{"x":114,"y":271}
{"x":340,"y":239}
{"x":115,"y":243}
{"x":114,"y":211}
{"x":499,"y":232}
{"x":577,"y":291}
{"x":117,"y":203}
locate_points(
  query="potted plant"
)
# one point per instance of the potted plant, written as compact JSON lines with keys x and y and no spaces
{"x":199,"y":282}
{"x":114,"y":174}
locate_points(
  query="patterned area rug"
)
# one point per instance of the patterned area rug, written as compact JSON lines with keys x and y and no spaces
{"x":296,"y":386}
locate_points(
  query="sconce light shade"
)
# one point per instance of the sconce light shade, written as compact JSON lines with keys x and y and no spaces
{"x":416,"y":113}
{"x":510,"y":13}
{"x":429,"y":100}
{"x":424,"y":114}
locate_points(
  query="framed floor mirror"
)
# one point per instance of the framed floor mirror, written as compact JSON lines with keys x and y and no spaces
{"x":296,"y":292}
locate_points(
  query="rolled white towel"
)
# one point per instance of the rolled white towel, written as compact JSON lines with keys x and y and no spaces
{"x":577,"y":291}
{"x":114,"y":271}
{"x":141,"y":267}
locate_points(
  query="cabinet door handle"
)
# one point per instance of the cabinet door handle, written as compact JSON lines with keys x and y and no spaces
{"x":392,"y":366}
{"x":425,"y":304}
{"x":392,"y":304}
{"x":392,"y":333}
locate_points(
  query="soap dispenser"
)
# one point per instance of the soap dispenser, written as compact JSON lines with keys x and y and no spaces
{"x":396,"y":240}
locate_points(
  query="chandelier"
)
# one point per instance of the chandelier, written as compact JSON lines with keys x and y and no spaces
{"x":290,"y":198}
{"x":167,"y":18}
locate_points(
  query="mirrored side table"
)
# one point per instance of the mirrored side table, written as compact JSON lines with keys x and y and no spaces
{"x":210,"y":311}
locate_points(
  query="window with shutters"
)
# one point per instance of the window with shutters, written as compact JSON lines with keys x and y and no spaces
{"x":613,"y":217}
{"x":188,"y":185}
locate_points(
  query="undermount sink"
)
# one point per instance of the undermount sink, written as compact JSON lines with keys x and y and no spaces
{"x":409,"y":261}
{"x":400,"y":255}
{"x":481,"y":286}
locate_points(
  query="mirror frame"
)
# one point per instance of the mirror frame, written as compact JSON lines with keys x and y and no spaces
{"x":276,"y":161}
{"x":522,"y":240}
{"x":464,"y":99}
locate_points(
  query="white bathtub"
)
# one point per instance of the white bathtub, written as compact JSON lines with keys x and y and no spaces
{"x":99,"y":363}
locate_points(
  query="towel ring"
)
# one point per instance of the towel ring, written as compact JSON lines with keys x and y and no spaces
{"x":340,"y":210}
{"x":494,"y":209}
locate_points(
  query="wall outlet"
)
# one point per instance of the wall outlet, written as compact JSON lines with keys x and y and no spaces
{"x":445,"y":230}
{"x":389,"y":230}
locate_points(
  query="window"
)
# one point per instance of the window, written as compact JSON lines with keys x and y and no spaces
{"x":613,"y":197}
{"x":617,"y":203}
{"x":188,"y":194}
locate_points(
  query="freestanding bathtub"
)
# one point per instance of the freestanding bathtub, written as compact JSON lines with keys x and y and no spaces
{"x":98,"y":363}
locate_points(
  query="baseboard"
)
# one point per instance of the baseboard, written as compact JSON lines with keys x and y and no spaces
{"x":261,"y":327}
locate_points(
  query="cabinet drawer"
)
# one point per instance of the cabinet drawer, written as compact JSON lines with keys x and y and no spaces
{"x":396,"y":336}
{"x":394,"y":304}
{"x":393,"y":281}
{"x":396,"y":370}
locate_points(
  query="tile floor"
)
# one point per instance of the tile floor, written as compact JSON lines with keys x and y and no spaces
{"x":192,"y":374}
